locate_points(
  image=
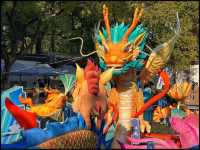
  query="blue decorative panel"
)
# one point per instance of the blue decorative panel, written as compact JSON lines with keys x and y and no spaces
{"x":135,"y":128}
{"x":10,"y":130}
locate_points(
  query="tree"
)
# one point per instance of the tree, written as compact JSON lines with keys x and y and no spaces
{"x":14,"y":30}
{"x":186,"y":47}
{"x":23,"y":26}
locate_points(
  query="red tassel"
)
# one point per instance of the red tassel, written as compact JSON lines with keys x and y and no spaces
{"x":155,"y":98}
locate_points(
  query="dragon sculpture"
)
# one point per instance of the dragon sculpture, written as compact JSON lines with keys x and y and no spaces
{"x":122,"y":47}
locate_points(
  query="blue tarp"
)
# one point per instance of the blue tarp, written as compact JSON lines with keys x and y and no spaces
{"x":39,"y":69}
{"x":31,"y":70}
{"x":35,"y":68}
{"x":69,"y":69}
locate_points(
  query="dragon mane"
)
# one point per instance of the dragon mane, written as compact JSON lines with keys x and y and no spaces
{"x":117,"y":33}
{"x":120,"y":32}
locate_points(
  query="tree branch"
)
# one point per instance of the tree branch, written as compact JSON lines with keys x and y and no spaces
{"x":13,"y":8}
{"x":33,"y":38}
{"x":31,"y":21}
{"x":38,"y":17}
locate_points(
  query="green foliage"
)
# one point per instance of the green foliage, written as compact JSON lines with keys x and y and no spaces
{"x":186,"y":47}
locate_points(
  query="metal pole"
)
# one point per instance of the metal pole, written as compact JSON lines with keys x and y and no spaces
{"x":20,"y":78}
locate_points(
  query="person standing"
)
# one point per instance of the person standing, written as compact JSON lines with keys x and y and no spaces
{"x":36,"y":92}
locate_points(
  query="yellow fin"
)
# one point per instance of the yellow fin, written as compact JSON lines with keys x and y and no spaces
{"x":79,"y":74}
{"x":106,"y":76}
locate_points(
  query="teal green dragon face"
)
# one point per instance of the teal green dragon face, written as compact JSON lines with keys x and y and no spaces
{"x":116,"y":54}
{"x":121,"y":46}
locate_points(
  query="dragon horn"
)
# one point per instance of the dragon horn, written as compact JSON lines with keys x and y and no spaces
{"x":106,"y":20}
{"x":26,"y":120}
{"x":136,"y":17}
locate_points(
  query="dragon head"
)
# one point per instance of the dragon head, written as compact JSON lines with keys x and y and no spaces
{"x":121,"y":45}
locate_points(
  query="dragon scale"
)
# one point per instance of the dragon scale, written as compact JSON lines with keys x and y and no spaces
{"x":125,"y":108}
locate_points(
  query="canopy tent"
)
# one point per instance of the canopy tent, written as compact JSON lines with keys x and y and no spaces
{"x":66,"y":69}
{"x":31,"y":70}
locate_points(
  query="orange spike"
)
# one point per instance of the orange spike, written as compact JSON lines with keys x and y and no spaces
{"x":106,"y":20}
{"x":135,"y":21}
{"x":90,"y":66}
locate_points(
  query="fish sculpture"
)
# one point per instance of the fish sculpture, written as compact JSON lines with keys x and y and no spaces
{"x":54,"y":103}
{"x":27,"y":118}
{"x":79,"y":139}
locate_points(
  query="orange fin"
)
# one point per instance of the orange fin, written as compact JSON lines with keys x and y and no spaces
{"x":26,"y":100}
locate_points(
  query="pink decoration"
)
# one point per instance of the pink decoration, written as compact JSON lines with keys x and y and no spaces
{"x":188,"y":128}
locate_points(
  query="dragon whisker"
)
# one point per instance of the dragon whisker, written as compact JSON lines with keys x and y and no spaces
{"x":149,"y":48}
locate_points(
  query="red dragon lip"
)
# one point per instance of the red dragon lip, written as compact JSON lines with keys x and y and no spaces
{"x":114,"y":65}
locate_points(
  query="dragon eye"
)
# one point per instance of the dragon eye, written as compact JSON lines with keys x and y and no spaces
{"x":105,"y":47}
{"x":128,"y":48}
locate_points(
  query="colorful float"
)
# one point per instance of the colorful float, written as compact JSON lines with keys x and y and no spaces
{"x":108,"y":104}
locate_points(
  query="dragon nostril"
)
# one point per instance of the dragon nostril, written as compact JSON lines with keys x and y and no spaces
{"x":113,"y":58}
{"x":121,"y":60}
